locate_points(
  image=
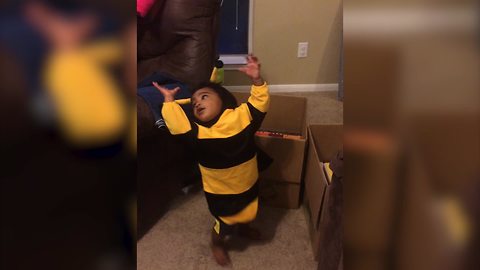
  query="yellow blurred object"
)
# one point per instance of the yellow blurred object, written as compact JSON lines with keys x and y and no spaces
{"x":456,"y":220}
{"x":328,"y":171}
{"x":86,"y":97}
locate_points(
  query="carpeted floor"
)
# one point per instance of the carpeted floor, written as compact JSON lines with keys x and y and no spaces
{"x":180,"y":239}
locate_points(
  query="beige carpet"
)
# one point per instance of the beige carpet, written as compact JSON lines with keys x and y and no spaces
{"x":180,"y":239}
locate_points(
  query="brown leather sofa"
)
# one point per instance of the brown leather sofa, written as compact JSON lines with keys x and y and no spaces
{"x":176,"y":38}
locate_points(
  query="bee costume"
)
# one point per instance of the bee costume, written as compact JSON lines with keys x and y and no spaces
{"x":227,"y":155}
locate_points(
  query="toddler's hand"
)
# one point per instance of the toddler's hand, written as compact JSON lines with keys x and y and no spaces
{"x":252,"y":70}
{"x":168,"y":95}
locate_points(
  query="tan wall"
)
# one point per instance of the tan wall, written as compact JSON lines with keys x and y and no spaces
{"x":278,"y":26}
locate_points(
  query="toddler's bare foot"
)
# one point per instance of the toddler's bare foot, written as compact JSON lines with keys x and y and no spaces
{"x":244,"y":230}
{"x":220,"y":255}
{"x":218,"y":249}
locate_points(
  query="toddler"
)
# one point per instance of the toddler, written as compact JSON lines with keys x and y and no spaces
{"x":222,"y":137}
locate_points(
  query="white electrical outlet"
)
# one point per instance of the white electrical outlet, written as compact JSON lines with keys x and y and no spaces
{"x":302,"y":49}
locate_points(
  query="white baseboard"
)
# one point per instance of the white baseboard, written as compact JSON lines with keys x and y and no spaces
{"x":282,"y":88}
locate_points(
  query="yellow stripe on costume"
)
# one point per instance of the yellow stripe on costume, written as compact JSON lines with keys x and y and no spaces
{"x":233,"y":180}
{"x":175,"y":118}
{"x":246,"y":215}
{"x":229,"y":124}
{"x":259,"y":97}
{"x":183,"y":101}
{"x":105,"y":51}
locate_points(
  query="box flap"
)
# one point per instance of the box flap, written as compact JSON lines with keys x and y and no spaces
{"x":315,"y":184}
{"x":327,"y":139}
{"x":324,"y":143}
{"x":286,"y":113}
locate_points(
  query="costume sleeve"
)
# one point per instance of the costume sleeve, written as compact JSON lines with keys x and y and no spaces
{"x":258,"y":103}
{"x":183,"y":101}
{"x":175,"y":118}
{"x":259,"y":97}
{"x":106,"y":51}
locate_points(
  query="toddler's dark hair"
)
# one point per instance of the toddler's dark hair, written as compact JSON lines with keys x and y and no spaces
{"x":228,"y":100}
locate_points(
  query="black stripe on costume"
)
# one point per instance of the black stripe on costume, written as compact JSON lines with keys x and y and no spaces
{"x":257,"y":116}
{"x":230,"y":204}
{"x":190,"y":138}
{"x":225,"y":229}
{"x":228,"y":152}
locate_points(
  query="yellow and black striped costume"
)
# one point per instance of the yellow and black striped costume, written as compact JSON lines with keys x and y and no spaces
{"x":227,"y":155}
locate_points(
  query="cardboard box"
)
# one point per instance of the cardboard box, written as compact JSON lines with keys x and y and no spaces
{"x":313,"y":233}
{"x":325,"y":141}
{"x":284,"y":176}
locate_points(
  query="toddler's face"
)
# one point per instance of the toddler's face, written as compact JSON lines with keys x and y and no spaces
{"x":206,"y":104}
